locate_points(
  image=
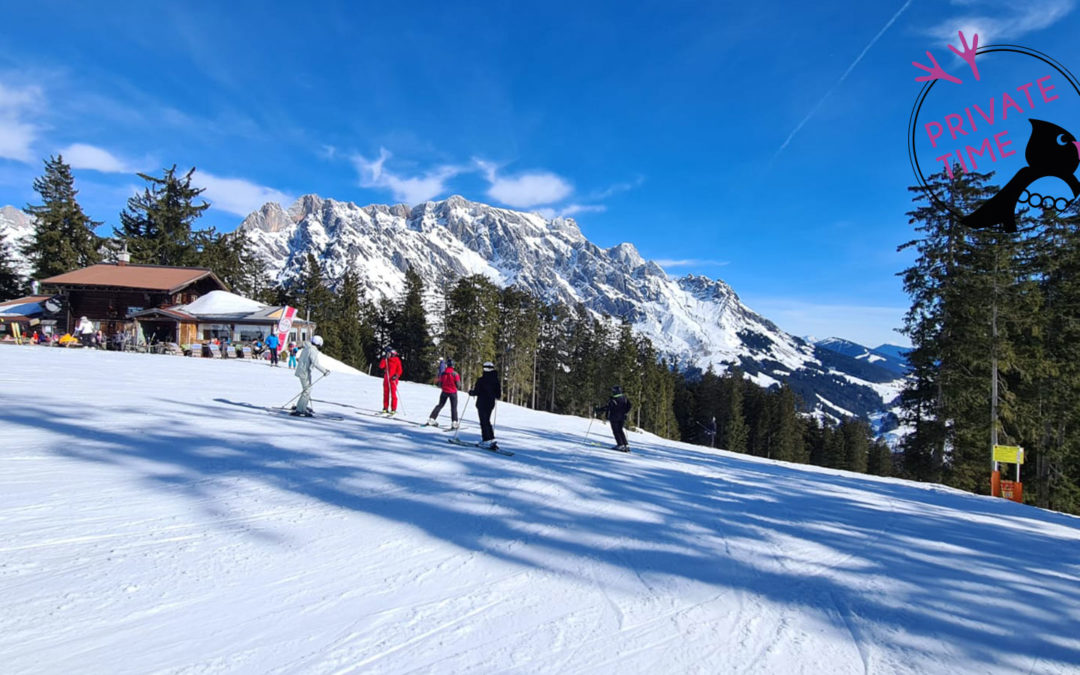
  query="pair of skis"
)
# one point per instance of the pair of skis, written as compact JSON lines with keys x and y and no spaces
{"x":289,"y":413}
{"x":596,"y":444}
{"x":456,"y":441}
{"x":493,"y":448}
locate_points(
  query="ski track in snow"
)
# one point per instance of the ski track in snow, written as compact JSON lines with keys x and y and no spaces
{"x":154,"y":519}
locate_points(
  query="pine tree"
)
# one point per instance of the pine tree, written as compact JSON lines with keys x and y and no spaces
{"x":936,"y":321}
{"x":64,"y":237}
{"x":707,"y":405}
{"x":409,"y":332}
{"x":583,"y":390}
{"x":157,"y":224}
{"x":834,"y":454}
{"x":553,"y":356}
{"x":855,"y":436}
{"x":1048,"y":385}
{"x":11,"y":284}
{"x":471,"y":317}
{"x":313,"y":298}
{"x":516,"y":342}
{"x":347,"y":332}
{"x":232,"y":258}
{"x":815,"y":438}
{"x":788,"y":437}
{"x":879,"y":462}
{"x":623,"y":369}
{"x":733,"y":429}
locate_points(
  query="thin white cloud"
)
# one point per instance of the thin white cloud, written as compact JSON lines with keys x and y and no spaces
{"x":83,"y":156}
{"x":236,"y":195}
{"x":691,"y":262}
{"x":817,"y":106}
{"x":868,"y":325}
{"x":570,"y":210}
{"x":526,"y":190}
{"x":489,"y":169}
{"x":998,"y":20}
{"x":529,"y":189}
{"x":17,"y":133}
{"x":618,"y":187}
{"x":411,"y":190}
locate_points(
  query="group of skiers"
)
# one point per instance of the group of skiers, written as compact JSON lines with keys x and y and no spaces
{"x":486,"y":390}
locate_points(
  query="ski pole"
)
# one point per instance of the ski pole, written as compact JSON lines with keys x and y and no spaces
{"x":462,"y":417}
{"x":591,"y":418}
{"x":301,"y":392}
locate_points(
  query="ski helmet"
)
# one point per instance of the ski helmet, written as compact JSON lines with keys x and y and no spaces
{"x":616,"y":390}
{"x":488,"y":365}
{"x":316,"y":340}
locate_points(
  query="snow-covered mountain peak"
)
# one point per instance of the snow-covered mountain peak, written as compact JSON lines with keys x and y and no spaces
{"x":16,"y":229}
{"x":626,"y":254}
{"x":270,"y":218}
{"x":694,"y":320}
{"x":304,"y":206}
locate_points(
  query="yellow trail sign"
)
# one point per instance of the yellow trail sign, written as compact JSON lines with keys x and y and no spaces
{"x":1009,"y":454}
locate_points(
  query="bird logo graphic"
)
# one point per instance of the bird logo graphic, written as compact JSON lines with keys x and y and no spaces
{"x":1051,"y":152}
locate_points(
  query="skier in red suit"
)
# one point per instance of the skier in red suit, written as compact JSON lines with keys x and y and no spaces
{"x":391,"y":367}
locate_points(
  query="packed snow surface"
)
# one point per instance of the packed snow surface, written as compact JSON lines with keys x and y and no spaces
{"x":155,"y":518}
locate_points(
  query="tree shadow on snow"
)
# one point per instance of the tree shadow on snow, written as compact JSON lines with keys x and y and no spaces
{"x":994,"y":580}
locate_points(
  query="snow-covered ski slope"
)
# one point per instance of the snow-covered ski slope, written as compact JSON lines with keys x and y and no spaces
{"x":154,"y":518}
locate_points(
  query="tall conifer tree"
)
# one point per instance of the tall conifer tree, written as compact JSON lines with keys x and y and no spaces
{"x":410,"y":333}
{"x":11,"y":284}
{"x":472,"y":311}
{"x":64,"y":236}
{"x":157,"y":224}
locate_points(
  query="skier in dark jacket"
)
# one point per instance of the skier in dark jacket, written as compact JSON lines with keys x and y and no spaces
{"x":487,"y":390}
{"x":617,"y":408}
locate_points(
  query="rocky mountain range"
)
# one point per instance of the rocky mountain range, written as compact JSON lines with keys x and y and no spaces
{"x":699,"y":322}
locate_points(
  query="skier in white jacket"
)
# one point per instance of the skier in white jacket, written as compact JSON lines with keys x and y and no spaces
{"x":305,"y":363}
{"x":85,"y":330}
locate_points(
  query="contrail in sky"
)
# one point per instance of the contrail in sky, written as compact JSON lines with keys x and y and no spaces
{"x":843,"y":77}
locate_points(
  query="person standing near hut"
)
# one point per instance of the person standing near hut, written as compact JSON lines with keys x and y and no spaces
{"x":272,"y":345}
{"x":487,"y":390}
{"x":307,"y":362}
{"x":85,"y":330}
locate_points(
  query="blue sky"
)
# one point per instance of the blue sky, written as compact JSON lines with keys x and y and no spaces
{"x":761,"y":143}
